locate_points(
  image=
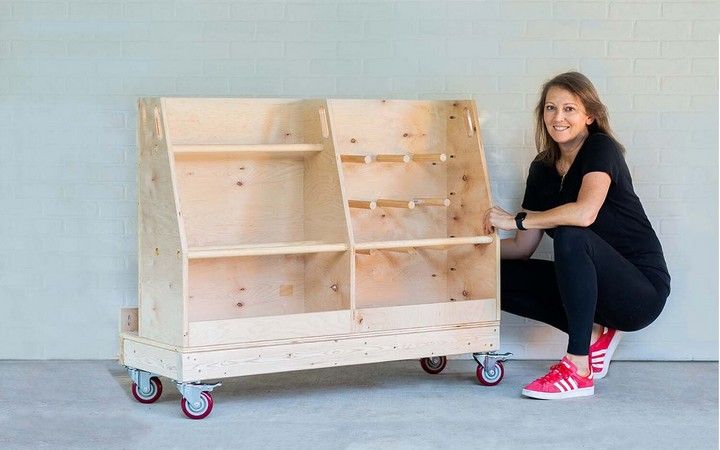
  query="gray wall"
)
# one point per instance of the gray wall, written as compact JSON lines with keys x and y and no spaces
{"x":71,"y":71}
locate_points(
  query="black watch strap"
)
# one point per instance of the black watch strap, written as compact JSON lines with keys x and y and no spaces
{"x":519,"y":220}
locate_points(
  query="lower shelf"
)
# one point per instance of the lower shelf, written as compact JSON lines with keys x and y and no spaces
{"x":188,"y":365}
{"x":342,"y":322}
{"x":228,"y":331}
{"x":427,"y":315}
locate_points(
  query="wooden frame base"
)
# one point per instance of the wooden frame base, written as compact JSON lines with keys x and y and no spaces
{"x":213,"y":362}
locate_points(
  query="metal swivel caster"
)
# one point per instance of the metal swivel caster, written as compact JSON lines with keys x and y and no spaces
{"x":146,"y":388}
{"x":490,"y":370}
{"x":196,"y":402}
{"x":434,"y":364}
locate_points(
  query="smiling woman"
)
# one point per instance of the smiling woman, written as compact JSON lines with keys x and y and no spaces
{"x":609,"y":272}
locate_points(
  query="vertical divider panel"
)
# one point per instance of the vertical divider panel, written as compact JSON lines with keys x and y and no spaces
{"x":328,"y":275}
{"x":162,"y":267}
{"x":476,"y":271}
{"x":327,"y":126}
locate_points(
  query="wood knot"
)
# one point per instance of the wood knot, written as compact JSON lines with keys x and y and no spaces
{"x":452,"y":269}
{"x":353,"y":140}
{"x":452,"y":117}
{"x":465,"y":293}
{"x":239,"y":183}
{"x":334,"y":287}
{"x":157,"y":251}
{"x":465,"y":178}
{"x":434,"y":275}
{"x":405,"y":135}
{"x":242,"y":289}
{"x":239,"y":304}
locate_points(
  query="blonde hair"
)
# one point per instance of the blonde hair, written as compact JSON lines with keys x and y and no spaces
{"x":582,"y":87}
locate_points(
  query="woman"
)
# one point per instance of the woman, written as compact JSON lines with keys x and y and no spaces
{"x":609,"y":272}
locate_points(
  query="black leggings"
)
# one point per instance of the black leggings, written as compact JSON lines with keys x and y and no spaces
{"x":588,"y":282}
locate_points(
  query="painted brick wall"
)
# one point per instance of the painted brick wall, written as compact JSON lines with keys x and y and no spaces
{"x":71,"y":71}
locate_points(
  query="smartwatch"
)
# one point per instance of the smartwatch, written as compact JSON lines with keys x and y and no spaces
{"x":519,"y":220}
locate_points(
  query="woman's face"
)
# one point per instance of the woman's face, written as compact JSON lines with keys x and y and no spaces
{"x":565,"y":117}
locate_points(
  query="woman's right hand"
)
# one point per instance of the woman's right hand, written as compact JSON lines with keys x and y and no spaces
{"x":497,"y":217}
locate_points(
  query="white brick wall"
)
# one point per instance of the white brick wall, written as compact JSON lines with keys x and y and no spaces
{"x":71,"y":70}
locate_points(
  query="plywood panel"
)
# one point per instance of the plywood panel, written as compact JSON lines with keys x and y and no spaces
{"x":386,"y":278}
{"x":393,"y":127}
{"x":468,"y":185}
{"x":327,"y":281}
{"x":238,"y":121}
{"x":473,"y":271}
{"x":388,"y":126}
{"x":337,"y":352}
{"x":218,"y":332}
{"x":161,"y":268}
{"x":417,"y":316}
{"x":157,"y":360}
{"x":476,"y":268}
{"x":233,"y":201}
{"x":248,"y":286}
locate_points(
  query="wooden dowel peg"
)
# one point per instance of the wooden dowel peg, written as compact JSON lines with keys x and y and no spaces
{"x":430,"y":157}
{"x":432,"y":201}
{"x":392,"y":158}
{"x":382,"y":202}
{"x":364,"y":204}
{"x":363,"y":252}
{"x":363,"y":159}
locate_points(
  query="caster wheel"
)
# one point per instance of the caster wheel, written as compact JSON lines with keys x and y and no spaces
{"x":199,"y":411}
{"x":490,"y":377}
{"x":153,"y":393}
{"x":434,"y":364}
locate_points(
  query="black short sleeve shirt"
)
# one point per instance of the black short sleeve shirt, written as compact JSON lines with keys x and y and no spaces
{"x":621,"y":221}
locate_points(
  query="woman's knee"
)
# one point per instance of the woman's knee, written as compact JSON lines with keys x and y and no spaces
{"x":570,"y":240}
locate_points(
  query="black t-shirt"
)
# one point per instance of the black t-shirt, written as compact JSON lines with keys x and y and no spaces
{"x":621,"y":221}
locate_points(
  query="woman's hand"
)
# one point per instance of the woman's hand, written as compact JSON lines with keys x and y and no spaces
{"x":498,"y":218}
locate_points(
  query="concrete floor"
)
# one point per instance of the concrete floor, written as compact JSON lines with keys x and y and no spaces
{"x":87,"y":404}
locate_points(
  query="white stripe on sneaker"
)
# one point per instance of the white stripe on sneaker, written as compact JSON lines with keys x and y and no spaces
{"x":574,"y":384}
{"x":559,"y":387}
{"x":566,"y":385}
{"x":599,"y":352}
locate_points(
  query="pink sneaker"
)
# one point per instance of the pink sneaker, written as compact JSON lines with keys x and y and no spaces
{"x":562,"y":381}
{"x":600,"y":353}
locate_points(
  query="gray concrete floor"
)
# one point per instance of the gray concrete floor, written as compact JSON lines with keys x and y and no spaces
{"x":87,"y":404}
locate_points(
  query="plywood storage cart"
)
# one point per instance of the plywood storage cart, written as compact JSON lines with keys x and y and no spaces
{"x":285,"y":234}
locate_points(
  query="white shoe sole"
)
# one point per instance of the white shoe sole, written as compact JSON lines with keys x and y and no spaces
{"x":608,"y":355}
{"x":581,"y":392}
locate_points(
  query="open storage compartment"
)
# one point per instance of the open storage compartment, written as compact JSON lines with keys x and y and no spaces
{"x":415,"y":178}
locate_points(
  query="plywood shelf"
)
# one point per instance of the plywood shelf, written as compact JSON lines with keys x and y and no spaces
{"x":441,"y":242}
{"x":279,"y":248}
{"x":251,"y":150}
